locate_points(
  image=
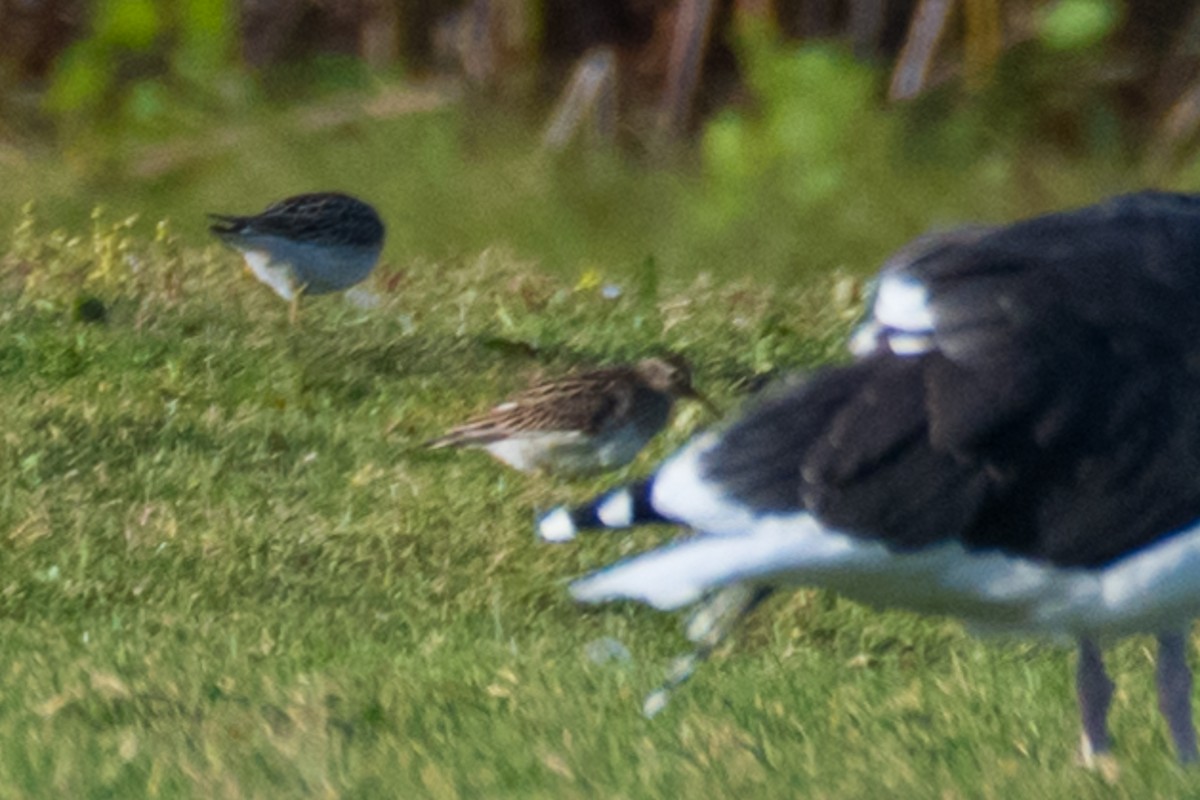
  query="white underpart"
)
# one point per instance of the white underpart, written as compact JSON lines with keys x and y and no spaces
{"x":289,"y":266}
{"x":529,"y":452}
{"x":275,"y":274}
{"x":568,"y":451}
{"x":1150,"y":591}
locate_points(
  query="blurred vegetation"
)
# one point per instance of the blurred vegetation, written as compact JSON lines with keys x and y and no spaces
{"x":145,"y":68}
{"x":783,"y":138}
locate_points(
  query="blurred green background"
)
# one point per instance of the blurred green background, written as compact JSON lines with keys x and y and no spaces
{"x":769,"y":137}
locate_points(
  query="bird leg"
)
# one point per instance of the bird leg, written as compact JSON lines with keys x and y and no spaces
{"x":1094,"y":690}
{"x":1174,"y":680}
{"x":708,"y":627}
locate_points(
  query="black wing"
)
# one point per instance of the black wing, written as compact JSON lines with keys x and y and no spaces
{"x":327,"y":218}
{"x":1054,"y":412}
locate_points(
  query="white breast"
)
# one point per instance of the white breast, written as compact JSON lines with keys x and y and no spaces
{"x":273,"y":273}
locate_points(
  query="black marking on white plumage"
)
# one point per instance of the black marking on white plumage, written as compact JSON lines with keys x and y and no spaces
{"x":626,"y":507}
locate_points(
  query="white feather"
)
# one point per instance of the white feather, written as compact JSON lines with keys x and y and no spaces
{"x":1148,"y":592}
{"x":277,"y":275}
{"x":902,"y":303}
{"x":617,"y":510}
{"x":556,"y":526}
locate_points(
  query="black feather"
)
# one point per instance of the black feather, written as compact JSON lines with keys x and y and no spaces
{"x":1056,"y":414}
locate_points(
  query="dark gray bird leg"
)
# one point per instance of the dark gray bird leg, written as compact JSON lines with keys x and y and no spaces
{"x":1095,"y":691}
{"x":1175,"y":693}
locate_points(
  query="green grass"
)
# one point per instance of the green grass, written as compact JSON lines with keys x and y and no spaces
{"x":229,"y":569}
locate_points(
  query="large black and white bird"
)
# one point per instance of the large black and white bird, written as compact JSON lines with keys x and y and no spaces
{"x":1016,"y":443}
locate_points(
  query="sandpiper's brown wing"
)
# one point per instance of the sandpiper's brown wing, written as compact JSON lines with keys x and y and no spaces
{"x":586,"y":403}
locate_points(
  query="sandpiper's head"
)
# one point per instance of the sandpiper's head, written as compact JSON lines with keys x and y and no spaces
{"x":672,"y":374}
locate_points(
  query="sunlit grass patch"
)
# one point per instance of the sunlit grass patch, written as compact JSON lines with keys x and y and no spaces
{"x":230,"y":569}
